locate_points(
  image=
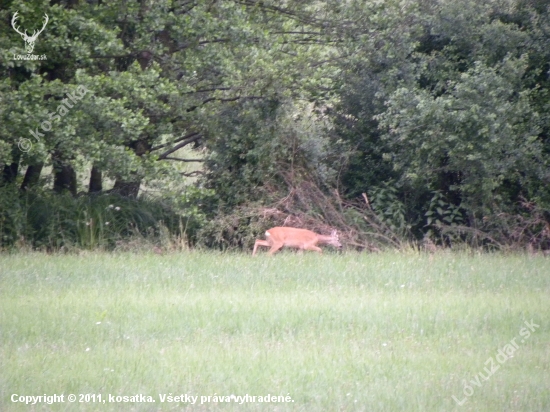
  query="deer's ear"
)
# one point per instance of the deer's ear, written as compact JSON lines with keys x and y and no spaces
{"x":334,"y":233}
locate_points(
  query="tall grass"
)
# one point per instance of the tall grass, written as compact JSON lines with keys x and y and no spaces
{"x":351,"y":332}
{"x":44,"y":220}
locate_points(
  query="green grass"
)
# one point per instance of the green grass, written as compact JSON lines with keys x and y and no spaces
{"x":351,"y":332}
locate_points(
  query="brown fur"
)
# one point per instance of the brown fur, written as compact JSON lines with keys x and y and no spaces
{"x":302,"y":239}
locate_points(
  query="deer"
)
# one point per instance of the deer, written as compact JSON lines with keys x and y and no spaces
{"x":302,"y":239}
{"x":29,"y":40}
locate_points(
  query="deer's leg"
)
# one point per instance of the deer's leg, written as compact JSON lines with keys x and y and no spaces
{"x":260,"y":243}
{"x":275,"y":247}
{"x":313,"y":247}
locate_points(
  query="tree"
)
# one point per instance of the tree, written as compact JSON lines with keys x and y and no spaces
{"x":156,"y":76}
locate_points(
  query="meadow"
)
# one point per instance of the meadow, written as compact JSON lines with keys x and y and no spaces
{"x":338,"y":332}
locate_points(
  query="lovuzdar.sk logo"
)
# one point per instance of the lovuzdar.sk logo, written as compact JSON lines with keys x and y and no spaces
{"x":29,"y":40}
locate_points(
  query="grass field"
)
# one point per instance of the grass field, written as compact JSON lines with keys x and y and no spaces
{"x":349,"y":332}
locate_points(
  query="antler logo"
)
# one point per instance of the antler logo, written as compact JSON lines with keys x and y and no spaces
{"x":29,"y":40}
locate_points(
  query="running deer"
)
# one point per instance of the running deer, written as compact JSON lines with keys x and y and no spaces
{"x":302,"y":239}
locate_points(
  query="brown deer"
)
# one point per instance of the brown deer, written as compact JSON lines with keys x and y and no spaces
{"x":302,"y":239}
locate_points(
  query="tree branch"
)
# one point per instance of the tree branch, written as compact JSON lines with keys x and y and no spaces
{"x":213,"y":41}
{"x":179,"y":146}
{"x":298,"y":32}
{"x":192,"y":174}
{"x":179,"y":139}
{"x":183,"y":160}
{"x":291,"y":14}
{"x":208,"y":90}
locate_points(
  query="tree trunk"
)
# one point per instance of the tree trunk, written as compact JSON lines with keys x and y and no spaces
{"x":96,"y":184}
{"x":127,"y":189}
{"x":64,"y":178}
{"x":131,"y":188}
{"x":9,"y":174}
{"x":32,"y":176}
